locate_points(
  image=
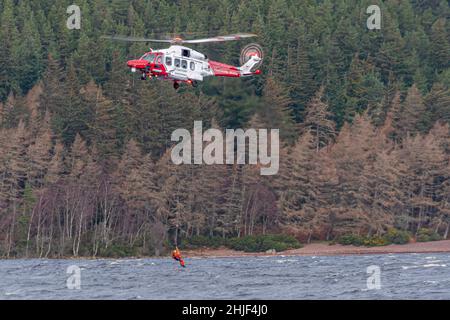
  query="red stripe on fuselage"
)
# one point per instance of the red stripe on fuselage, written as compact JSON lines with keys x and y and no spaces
{"x":158,"y":69}
{"x":224,"y":70}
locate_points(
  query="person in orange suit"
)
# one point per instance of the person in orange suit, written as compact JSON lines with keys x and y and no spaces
{"x":176,"y":254}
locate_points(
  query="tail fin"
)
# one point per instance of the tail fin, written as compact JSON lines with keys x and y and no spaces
{"x":246,"y":69}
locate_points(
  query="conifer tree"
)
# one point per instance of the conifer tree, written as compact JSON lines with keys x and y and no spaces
{"x":56,"y":168}
{"x":275,"y":112}
{"x":425,"y":161}
{"x":8,"y":36}
{"x":298,"y":189}
{"x":414,"y":115}
{"x":39,"y":157}
{"x":102,"y":129}
{"x":437,"y":103}
{"x":440,"y":50}
{"x":318,"y":121}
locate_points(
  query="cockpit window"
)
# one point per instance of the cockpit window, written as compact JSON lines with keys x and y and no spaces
{"x":149,"y":57}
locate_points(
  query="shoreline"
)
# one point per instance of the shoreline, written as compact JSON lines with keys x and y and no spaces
{"x":324,"y":249}
{"x":312,"y":249}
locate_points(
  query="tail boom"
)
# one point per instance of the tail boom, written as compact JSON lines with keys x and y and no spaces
{"x":224,"y":70}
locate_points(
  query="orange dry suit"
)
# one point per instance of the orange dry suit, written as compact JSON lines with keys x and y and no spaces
{"x":176,"y":254}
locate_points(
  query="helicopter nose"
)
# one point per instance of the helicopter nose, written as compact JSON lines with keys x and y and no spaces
{"x":137,"y":64}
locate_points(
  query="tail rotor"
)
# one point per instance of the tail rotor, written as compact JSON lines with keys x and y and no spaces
{"x":249,"y":51}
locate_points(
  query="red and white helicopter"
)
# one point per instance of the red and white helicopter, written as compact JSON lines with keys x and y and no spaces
{"x":181,"y":64}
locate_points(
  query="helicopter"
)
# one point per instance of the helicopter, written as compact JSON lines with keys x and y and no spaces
{"x":181,"y":64}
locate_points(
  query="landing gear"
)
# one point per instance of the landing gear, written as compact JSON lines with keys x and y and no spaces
{"x":193,"y":83}
{"x":146,"y":73}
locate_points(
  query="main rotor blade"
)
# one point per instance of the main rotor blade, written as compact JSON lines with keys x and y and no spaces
{"x":231,"y":37}
{"x":134,"y":39}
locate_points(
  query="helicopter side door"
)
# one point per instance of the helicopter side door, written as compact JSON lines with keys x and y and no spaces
{"x":169,"y":63}
{"x":159,"y":66}
{"x":194,"y":69}
{"x":180,"y":68}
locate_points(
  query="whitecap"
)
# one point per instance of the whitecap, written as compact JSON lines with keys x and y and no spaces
{"x":431,"y":265}
{"x":286,"y":260}
{"x":409,"y":267}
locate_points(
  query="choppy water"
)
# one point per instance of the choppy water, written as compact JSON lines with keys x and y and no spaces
{"x":404,"y":276}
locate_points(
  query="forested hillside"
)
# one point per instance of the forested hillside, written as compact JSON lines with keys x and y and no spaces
{"x":85,"y":164}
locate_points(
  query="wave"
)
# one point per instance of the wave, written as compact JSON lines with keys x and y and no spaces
{"x":431,"y":265}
